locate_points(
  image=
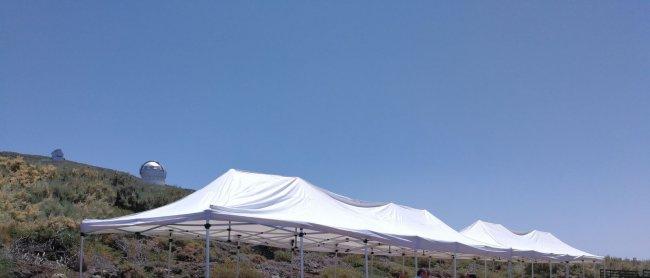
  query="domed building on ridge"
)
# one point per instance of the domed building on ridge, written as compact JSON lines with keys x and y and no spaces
{"x":57,"y":155}
{"x":153,"y":172}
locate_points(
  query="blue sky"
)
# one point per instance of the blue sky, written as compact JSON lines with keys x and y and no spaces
{"x":530,"y":114}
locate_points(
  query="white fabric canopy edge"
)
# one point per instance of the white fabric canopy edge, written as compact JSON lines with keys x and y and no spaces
{"x":535,"y":244}
{"x":270,"y":200}
{"x":250,"y":199}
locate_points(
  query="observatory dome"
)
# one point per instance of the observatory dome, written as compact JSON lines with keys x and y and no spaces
{"x":153,"y":172}
{"x":57,"y":155}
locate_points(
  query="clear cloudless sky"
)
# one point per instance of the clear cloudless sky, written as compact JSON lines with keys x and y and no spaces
{"x":534,"y":114}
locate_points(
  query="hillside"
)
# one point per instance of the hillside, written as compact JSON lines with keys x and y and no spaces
{"x":42,"y":203}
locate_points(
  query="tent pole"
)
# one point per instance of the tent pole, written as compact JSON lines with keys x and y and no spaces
{"x":509,"y":269}
{"x":365,"y":252}
{"x":372,"y":262}
{"x":454,"y":257}
{"x":493,"y":266}
{"x":532,"y":269}
{"x":510,"y":263}
{"x":582,"y":265}
{"x":429,"y":263}
{"x":238,"y":247}
{"x":229,"y":229}
{"x":302,"y":255}
{"x":403,"y":267}
{"x":550,"y":269}
{"x":207,"y":248}
{"x":485,"y":268}
{"x":415,"y":260}
{"x":169,"y":254}
{"x":336,"y":259}
{"x":294,"y":246}
{"x":605,"y":267}
{"x":81,"y":256}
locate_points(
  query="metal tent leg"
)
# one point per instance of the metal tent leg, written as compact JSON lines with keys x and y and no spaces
{"x":372,"y":262}
{"x":485,"y":268}
{"x":336,"y":260}
{"x":81,"y":256}
{"x":455,"y":270}
{"x":550,"y":269}
{"x":509,"y":269}
{"x":532,"y":269}
{"x":415,"y":260}
{"x":207,"y":248}
{"x":229,"y":229}
{"x":169,"y":255}
{"x":238,"y":247}
{"x":302,"y":255}
{"x":365,"y":251}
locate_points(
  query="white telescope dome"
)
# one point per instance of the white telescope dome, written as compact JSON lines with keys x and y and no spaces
{"x":153,"y":172}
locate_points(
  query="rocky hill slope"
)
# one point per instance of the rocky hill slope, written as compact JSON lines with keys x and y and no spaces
{"x":43,"y":201}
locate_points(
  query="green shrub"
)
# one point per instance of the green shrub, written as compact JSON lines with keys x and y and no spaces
{"x":229,"y":270}
{"x":341,"y":272}
{"x":392,"y":268}
{"x":354,"y":260}
{"x":266,"y":251}
{"x":282,"y":256}
{"x":6,"y":266}
{"x":39,"y":191}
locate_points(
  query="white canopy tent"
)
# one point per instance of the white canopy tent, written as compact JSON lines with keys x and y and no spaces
{"x":533,"y":245}
{"x":289,"y":212}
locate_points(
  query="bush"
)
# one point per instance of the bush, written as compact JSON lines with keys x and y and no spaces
{"x":282,"y":256}
{"x":392,"y":268}
{"x":6,"y":266}
{"x":229,"y":270}
{"x":266,"y":251}
{"x":341,"y":272}
{"x":354,"y":260}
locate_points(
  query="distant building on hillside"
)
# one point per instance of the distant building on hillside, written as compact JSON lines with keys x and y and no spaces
{"x":153,"y":172}
{"x":57,"y":155}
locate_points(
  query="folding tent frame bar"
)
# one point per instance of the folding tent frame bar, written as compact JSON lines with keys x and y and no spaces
{"x":274,"y":235}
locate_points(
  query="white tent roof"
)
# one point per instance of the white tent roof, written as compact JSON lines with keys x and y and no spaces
{"x":534,"y":244}
{"x":270,"y":210}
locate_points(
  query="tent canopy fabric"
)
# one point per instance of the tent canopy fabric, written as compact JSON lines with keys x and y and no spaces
{"x":534,"y":245}
{"x":276,"y":210}
{"x":272,"y":210}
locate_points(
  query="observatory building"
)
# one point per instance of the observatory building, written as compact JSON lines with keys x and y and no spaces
{"x":57,"y":155}
{"x":153,"y":172}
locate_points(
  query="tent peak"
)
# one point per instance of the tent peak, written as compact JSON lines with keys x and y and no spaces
{"x":541,"y":244}
{"x":501,"y":226}
{"x":486,"y":222}
{"x":241,"y":171}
